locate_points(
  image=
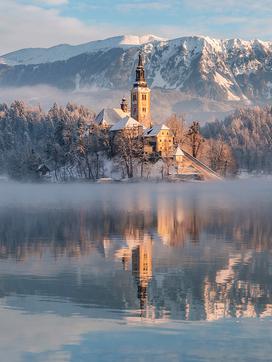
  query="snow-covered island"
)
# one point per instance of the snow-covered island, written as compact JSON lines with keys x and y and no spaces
{"x":73,"y":143}
{"x":116,"y":144}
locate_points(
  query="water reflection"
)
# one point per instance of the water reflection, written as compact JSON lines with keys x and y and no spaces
{"x":156,"y":255}
{"x":142,"y":269}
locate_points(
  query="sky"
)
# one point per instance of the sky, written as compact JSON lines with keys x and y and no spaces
{"x":44,"y":23}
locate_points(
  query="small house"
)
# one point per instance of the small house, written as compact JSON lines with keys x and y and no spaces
{"x":159,"y":138}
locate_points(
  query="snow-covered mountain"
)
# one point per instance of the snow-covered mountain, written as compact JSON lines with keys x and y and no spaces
{"x":66,"y":51}
{"x":233,"y":70}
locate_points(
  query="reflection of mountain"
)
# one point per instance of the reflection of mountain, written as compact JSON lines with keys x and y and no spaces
{"x":234,"y":293}
{"x":143,"y":252}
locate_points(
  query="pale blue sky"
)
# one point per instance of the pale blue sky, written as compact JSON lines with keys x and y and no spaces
{"x":25,"y":23}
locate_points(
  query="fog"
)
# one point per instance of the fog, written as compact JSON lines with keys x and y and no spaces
{"x":46,"y":96}
{"x":164,"y":102}
{"x":227,"y":193}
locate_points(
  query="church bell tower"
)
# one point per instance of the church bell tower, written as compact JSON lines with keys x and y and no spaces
{"x":140,"y":97}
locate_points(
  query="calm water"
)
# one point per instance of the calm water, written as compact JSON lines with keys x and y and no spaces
{"x":136,"y":272}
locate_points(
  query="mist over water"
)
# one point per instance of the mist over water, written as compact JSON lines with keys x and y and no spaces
{"x":239,"y":191}
{"x":92,"y":263}
{"x":164,"y":102}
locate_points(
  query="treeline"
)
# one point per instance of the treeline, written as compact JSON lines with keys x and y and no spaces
{"x":249,"y":134}
{"x":67,"y":141}
{"x":62,"y":139}
{"x":215,"y":153}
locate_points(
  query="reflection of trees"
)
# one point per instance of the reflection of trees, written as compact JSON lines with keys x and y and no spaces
{"x":76,"y":232}
{"x":227,"y":279}
{"x":65,"y":232}
{"x":177,"y":223}
{"x":242,"y":289}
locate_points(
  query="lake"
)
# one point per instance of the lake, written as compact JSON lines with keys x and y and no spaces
{"x":136,"y":272}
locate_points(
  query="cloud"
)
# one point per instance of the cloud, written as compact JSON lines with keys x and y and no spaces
{"x":230,"y":5}
{"x":46,"y":96}
{"x":38,"y":337}
{"x":52,"y":2}
{"x":23,"y":26}
{"x":225,"y":19}
{"x":45,"y":23}
{"x":152,"y":5}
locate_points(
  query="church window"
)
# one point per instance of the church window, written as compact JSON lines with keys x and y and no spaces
{"x":144,"y":97}
{"x":144,"y":109}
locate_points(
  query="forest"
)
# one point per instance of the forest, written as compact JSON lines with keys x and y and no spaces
{"x":248,"y":132}
{"x":68,"y":142}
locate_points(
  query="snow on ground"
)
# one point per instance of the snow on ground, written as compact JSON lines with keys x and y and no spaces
{"x":158,"y":81}
{"x":226,"y":84}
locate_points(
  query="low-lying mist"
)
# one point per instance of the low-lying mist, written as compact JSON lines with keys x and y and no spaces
{"x":164,"y":102}
{"x":238,"y":193}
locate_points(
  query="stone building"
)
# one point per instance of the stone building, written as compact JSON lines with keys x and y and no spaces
{"x":108,"y":117}
{"x":127,"y":124}
{"x":140,"y":97}
{"x":178,"y":159}
{"x":159,"y":139}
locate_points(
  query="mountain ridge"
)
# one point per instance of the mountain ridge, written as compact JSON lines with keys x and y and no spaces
{"x":233,"y":70}
{"x":59,"y":52}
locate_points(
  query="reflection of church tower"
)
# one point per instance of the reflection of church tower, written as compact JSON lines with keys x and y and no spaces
{"x":140,"y":97}
{"x":195,"y":221}
{"x":142,"y":268}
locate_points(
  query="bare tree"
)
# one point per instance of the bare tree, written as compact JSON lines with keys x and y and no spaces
{"x":129,"y":146}
{"x":194,"y":138}
{"x":167,"y":159}
{"x":220,"y":157}
{"x":177,"y":125}
{"x":90,"y":150}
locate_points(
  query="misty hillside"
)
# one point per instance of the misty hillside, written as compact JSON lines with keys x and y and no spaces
{"x":249,"y":134}
{"x":222,"y":70}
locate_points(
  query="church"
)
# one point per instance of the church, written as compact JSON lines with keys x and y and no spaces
{"x":157,"y":138}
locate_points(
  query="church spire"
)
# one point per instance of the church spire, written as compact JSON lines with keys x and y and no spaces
{"x":140,"y":96}
{"x":140,"y":73}
{"x":140,"y":61}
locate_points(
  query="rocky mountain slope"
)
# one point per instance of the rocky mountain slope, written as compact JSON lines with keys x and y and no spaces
{"x":222,"y":70}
